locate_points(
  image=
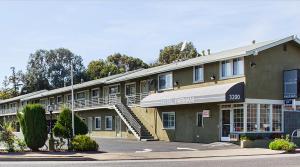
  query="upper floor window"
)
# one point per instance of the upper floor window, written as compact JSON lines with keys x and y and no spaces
{"x":95,"y":93}
{"x":130,"y":89}
{"x":165,"y":81}
{"x":80,"y":95}
{"x":59,"y":99}
{"x":198,"y":73}
{"x":114,"y":89}
{"x":231,"y":68}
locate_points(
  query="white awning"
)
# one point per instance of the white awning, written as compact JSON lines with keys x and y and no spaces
{"x":232,"y":92}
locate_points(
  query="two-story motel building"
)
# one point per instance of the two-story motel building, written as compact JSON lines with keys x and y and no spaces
{"x":204,"y":99}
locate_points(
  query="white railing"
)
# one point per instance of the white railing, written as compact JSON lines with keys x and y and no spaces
{"x":108,"y":101}
{"x":135,"y":99}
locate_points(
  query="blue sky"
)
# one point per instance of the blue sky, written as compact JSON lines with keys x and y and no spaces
{"x":95,"y":29}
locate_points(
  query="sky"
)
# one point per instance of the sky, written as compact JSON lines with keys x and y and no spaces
{"x":95,"y":29}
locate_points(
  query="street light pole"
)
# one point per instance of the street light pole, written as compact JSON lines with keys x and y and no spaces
{"x":51,"y":140}
{"x":72,"y":88}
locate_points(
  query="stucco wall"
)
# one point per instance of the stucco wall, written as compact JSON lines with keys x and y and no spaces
{"x":265,"y":80}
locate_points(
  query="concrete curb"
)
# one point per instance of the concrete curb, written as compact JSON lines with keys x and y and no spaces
{"x":39,"y":158}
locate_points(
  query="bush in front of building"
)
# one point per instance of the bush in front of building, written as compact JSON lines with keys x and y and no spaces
{"x":283,"y":144}
{"x":33,"y":123}
{"x":7,"y":137}
{"x":63,"y":126}
{"x":84,"y":143}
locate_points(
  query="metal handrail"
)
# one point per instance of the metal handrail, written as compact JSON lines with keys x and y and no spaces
{"x":129,"y":117}
{"x":135,"y":99}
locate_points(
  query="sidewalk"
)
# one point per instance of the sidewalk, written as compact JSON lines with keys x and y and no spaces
{"x":134,"y":156}
{"x":183,"y":154}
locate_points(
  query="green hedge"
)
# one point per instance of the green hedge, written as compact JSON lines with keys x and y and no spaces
{"x":33,"y":123}
{"x":282,"y":144}
{"x":84,"y":143}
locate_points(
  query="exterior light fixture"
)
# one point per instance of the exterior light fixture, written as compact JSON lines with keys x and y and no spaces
{"x":252,"y":64}
{"x":51,"y":139}
{"x":213,"y":77}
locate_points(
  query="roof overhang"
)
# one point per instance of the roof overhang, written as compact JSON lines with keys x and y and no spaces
{"x":232,"y":92}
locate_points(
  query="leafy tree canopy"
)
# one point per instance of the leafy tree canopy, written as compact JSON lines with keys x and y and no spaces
{"x":172,"y":53}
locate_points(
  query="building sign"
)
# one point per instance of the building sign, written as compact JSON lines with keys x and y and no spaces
{"x":236,"y":93}
{"x":291,"y":84}
{"x":205,"y":113}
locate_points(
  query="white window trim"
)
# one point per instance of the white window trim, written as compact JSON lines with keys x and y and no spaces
{"x":199,"y":81}
{"x":45,"y":99}
{"x":111,"y":122}
{"x":95,"y":121}
{"x":84,"y":91}
{"x":119,"y":89}
{"x":202,"y":126}
{"x":169,"y":128}
{"x":130,"y":83}
{"x":62,"y":100}
{"x":231,"y":64}
{"x":172,"y":84}
{"x":97,"y":89}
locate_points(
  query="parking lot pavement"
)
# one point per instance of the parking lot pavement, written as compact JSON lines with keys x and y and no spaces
{"x":113,"y":145}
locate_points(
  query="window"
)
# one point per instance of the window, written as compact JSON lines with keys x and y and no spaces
{"x":80,"y":95}
{"x":97,"y":123}
{"x":277,"y":118}
{"x":51,"y":100}
{"x":95,"y":93}
{"x":265,"y":117}
{"x":59,"y":100}
{"x":198,"y":74}
{"x":165,"y":81}
{"x":251,"y":117}
{"x":130,"y":89}
{"x":114,"y":89}
{"x":168,"y":120}
{"x":69,"y":98}
{"x":199,"y":119}
{"x":108,"y":122}
{"x":238,"y":120}
{"x":231,"y":68}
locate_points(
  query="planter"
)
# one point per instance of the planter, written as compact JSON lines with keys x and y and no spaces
{"x":260,"y":143}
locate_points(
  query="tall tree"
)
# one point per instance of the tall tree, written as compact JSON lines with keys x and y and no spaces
{"x":15,"y":80}
{"x":114,"y":64}
{"x":5,"y":92}
{"x":172,"y":53}
{"x":51,"y":69}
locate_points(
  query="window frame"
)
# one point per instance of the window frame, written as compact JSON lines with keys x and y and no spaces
{"x":194,"y":73}
{"x":197,"y":120}
{"x":114,"y":85}
{"x":62,"y":101}
{"x":240,"y":72}
{"x":95,"y":123}
{"x":130,"y":83}
{"x":79,"y":93}
{"x":158,"y":85}
{"x":163,"y":115}
{"x":95,"y":89}
{"x":110,"y":117}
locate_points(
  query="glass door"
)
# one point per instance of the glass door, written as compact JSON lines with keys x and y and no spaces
{"x":225,"y":125}
{"x":118,"y":126}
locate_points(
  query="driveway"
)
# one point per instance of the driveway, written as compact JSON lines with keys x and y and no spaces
{"x":112,"y":145}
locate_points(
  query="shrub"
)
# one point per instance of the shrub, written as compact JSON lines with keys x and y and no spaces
{"x":63,"y":126}
{"x":7,"y":137}
{"x":282,"y":144}
{"x":21,"y":144}
{"x":244,"y":138}
{"x":34,"y":125}
{"x":84,"y":143}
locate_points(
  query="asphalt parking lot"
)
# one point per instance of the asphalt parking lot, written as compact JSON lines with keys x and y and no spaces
{"x":126,"y":145}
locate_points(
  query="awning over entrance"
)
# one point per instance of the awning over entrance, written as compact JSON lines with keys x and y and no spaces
{"x":231,"y":92}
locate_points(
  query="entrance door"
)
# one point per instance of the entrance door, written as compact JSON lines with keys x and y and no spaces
{"x":225,"y":128}
{"x":118,"y":126}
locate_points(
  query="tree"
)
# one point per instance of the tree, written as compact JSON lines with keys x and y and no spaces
{"x":15,"y":79}
{"x":172,"y":53}
{"x":51,"y":69}
{"x":5,"y":92}
{"x":63,"y":126}
{"x":33,"y":123}
{"x":114,"y":64}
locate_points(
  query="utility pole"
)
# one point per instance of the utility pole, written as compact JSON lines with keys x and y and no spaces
{"x":72,"y":89}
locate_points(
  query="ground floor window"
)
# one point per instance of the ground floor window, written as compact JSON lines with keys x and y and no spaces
{"x":168,"y":120}
{"x":265,"y":118}
{"x":251,"y":117}
{"x":277,"y":118}
{"x":199,"y":119}
{"x":238,"y":120}
{"x":97,"y":123}
{"x":108,"y":122}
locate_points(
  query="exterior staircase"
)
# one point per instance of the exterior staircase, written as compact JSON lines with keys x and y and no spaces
{"x":132,"y":122}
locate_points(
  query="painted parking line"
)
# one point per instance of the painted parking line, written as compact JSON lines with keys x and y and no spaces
{"x":185,"y":148}
{"x":144,"y":151}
